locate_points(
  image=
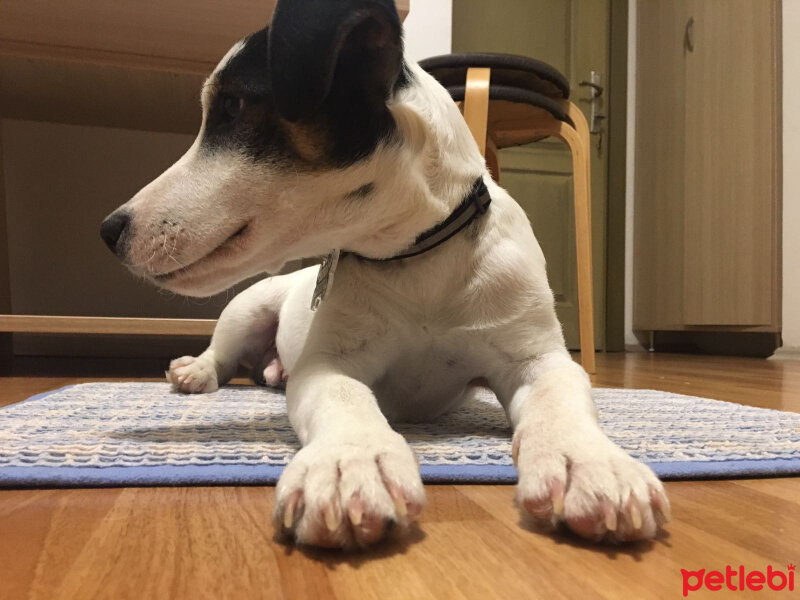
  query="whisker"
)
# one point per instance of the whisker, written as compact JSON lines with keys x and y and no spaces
{"x":170,"y":254}
{"x":149,"y":260}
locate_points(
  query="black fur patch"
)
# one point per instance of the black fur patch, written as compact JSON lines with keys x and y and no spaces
{"x":335,"y":64}
{"x":405,"y":79}
{"x":347,"y":127}
{"x":256,"y":131}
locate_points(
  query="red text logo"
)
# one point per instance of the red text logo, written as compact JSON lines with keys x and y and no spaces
{"x":738,"y":579}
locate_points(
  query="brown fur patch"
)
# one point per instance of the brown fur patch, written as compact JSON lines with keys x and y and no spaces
{"x":307,"y":141}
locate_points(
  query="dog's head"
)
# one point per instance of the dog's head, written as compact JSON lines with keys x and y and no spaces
{"x":294,"y":117}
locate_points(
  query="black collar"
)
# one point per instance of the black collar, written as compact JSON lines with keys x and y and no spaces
{"x":474,"y":204}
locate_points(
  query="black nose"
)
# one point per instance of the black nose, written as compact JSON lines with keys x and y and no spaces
{"x":113,"y":230}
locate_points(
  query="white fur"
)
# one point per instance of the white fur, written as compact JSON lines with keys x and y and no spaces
{"x":392,"y":341}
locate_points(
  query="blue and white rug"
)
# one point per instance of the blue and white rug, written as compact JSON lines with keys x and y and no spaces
{"x":129,"y":434}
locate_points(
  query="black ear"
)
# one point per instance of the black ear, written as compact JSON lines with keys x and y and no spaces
{"x":312,"y":43}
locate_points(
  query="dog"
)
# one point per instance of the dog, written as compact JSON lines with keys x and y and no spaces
{"x":319,"y":139}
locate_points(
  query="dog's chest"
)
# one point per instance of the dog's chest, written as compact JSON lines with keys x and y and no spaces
{"x":427,"y":377}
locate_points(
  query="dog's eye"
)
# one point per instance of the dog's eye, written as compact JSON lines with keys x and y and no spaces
{"x":232,"y":106}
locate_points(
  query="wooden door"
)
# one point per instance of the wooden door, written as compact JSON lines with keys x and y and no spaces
{"x":571,"y":35}
{"x":731,"y":161}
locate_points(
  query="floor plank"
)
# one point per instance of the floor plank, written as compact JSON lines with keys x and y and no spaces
{"x":218,"y":542}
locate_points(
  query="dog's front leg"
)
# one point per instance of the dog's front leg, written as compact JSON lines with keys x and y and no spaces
{"x":354,"y":476}
{"x":568,"y":469}
{"x":246,"y":330}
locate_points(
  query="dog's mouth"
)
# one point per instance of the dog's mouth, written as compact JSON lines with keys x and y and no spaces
{"x":224,"y":248}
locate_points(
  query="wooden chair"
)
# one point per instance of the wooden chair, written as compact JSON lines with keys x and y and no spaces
{"x":512,"y":100}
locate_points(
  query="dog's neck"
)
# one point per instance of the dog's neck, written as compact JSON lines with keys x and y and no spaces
{"x":421,"y":180}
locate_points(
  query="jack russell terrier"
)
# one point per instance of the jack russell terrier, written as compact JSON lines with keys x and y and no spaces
{"x":319,"y":139}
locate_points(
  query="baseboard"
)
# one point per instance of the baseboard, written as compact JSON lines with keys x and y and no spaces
{"x":723,"y":343}
{"x":786,"y":353}
{"x":6,"y":353}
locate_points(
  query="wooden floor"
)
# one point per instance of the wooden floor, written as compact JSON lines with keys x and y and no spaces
{"x":218,"y":542}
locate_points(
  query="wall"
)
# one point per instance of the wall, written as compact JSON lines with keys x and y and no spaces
{"x":791,"y":178}
{"x":428,"y":28}
{"x":61,"y":181}
{"x":90,"y":171}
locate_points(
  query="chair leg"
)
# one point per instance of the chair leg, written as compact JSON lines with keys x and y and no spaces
{"x":476,"y":111}
{"x":492,"y":159}
{"x":582,"y":128}
{"x":577,"y":139}
{"x":476,"y":104}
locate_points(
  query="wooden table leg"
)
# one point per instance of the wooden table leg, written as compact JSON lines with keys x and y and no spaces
{"x":6,"y":350}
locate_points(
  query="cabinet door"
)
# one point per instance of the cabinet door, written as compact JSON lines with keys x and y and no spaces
{"x":731,"y":161}
{"x":659,"y":171}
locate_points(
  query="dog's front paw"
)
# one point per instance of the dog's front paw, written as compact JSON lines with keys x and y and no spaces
{"x":348,"y":494}
{"x":193,"y":375}
{"x":598,"y":490}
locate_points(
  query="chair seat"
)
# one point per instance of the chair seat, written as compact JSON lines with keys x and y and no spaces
{"x":534,"y":101}
{"x":507,"y":70}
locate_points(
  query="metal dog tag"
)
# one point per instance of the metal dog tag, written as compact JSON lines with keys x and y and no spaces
{"x":325,"y":278}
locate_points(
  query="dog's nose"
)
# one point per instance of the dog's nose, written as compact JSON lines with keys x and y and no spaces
{"x":113,"y":229}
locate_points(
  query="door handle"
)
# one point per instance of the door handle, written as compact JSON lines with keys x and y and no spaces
{"x":688,"y":36}
{"x":596,"y":88}
{"x":595,"y":116}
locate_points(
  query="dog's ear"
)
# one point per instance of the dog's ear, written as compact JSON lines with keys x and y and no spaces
{"x":320,"y":47}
